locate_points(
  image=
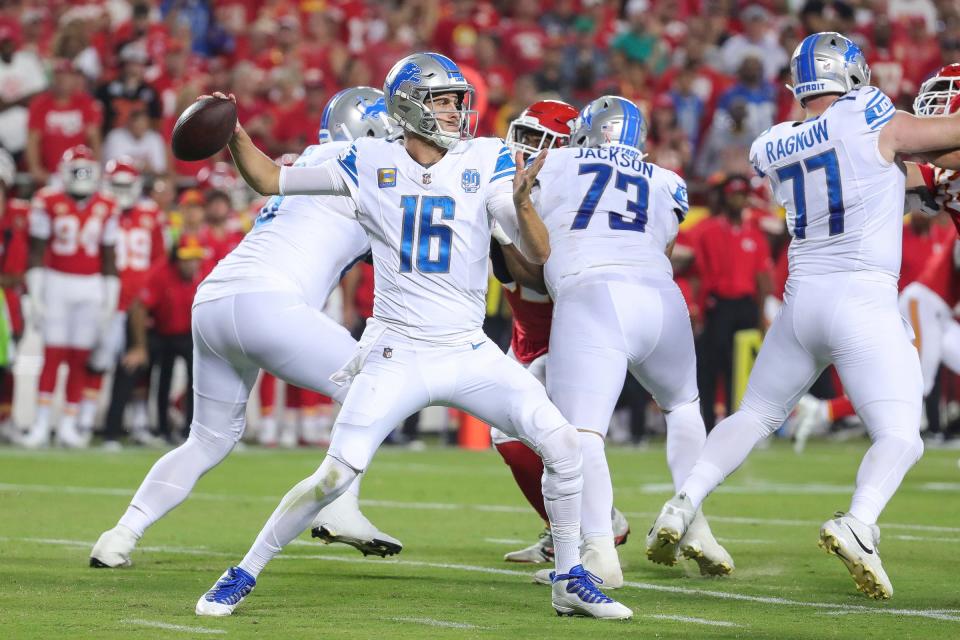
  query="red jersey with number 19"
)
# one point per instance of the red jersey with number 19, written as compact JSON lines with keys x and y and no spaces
{"x":139,"y":248}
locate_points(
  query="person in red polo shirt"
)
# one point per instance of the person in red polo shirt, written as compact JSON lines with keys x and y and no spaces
{"x":14,"y":243}
{"x":59,"y":119}
{"x":167,"y":301}
{"x":732,"y":259}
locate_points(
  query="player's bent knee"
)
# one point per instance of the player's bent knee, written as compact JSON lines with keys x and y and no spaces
{"x":332,"y":477}
{"x":216,"y":443}
{"x":562,"y":463}
{"x":354,"y":445}
{"x":764,"y":416}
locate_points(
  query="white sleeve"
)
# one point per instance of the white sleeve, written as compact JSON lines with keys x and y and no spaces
{"x":501,"y":208}
{"x":39,"y":221}
{"x":322,"y":180}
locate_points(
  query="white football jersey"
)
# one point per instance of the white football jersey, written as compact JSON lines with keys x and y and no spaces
{"x":844,"y":202}
{"x":429,"y":229}
{"x":301,"y":244}
{"x":606,"y":207}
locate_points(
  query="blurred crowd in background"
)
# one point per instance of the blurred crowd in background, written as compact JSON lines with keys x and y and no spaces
{"x":709,"y":75}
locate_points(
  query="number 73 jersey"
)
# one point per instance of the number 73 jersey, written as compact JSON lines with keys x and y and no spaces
{"x":606,"y":208}
{"x":429,"y":231}
{"x":844,"y":202}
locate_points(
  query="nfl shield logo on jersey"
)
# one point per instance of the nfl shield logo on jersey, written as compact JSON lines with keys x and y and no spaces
{"x":470,"y":181}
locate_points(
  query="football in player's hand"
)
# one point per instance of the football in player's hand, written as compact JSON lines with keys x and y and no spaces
{"x":204,"y":128}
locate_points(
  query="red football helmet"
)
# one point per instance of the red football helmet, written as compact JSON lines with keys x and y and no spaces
{"x":124,"y":181}
{"x":938,"y":94}
{"x":79,"y":171}
{"x":542,"y":125}
{"x":221,"y":177}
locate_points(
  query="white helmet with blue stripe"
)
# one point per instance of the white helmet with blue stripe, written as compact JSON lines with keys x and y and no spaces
{"x":609,"y":120}
{"x":825,"y":63}
{"x":413,"y":82}
{"x":357,"y":112}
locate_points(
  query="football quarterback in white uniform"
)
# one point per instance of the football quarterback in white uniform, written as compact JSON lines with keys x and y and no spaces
{"x":612,"y":220}
{"x":260,"y":309}
{"x":838,"y":176}
{"x":428,"y":205}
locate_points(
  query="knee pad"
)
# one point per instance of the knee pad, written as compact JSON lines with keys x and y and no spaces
{"x":686,"y":413}
{"x":219,"y":420}
{"x":562,"y":463}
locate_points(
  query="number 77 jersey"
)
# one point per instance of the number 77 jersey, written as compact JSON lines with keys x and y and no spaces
{"x":606,"y":208}
{"x":844,"y":202}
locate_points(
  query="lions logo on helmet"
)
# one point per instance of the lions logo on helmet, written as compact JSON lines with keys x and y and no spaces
{"x":412,"y":85}
{"x":827,"y":63}
{"x":609,"y":120}
{"x":357,"y":112}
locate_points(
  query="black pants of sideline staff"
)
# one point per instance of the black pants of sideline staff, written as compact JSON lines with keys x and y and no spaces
{"x":164,"y":350}
{"x":724,"y":318}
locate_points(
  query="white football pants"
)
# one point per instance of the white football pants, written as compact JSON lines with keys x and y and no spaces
{"x":605,"y":324}
{"x":936,"y":333}
{"x":852,"y":321}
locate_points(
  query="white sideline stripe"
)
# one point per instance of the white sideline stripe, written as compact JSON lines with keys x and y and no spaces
{"x":441,"y":506}
{"x":430,"y":622}
{"x":169,"y":627}
{"x":935,"y":614}
{"x":712,"y":623}
{"x":760,"y":489}
{"x":504,"y":540}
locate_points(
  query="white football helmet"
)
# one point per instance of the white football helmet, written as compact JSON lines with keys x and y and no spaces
{"x":79,"y":171}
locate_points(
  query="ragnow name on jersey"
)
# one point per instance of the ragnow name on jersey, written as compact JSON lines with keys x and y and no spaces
{"x":844,"y":201}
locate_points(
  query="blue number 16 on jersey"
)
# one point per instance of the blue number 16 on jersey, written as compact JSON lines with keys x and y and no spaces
{"x":423,"y":207}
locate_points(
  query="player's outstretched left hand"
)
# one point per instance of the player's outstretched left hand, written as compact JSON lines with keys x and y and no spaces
{"x":526,"y":177}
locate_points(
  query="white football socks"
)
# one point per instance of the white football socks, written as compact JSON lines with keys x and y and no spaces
{"x":597,"y":487}
{"x":686,"y":435}
{"x":296,"y":512}
{"x":725,"y":449}
{"x":881,"y":472}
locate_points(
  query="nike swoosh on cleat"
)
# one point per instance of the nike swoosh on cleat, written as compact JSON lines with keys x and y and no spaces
{"x":865,"y":549}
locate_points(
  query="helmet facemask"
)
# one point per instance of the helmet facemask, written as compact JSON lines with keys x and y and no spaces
{"x":935,"y":96}
{"x":429,"y":123}
{"x":523,"y":131}
{"x":80,"y":177}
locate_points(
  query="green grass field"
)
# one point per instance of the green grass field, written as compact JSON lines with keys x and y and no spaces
{"x":457,"y":512}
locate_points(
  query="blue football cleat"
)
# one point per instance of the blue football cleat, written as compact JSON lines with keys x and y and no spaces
{"x":577,"y":594}
{"x":233,"y":586}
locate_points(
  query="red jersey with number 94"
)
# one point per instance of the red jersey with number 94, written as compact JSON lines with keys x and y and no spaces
{"x":75,"y":229}
{"x":139,"y":248}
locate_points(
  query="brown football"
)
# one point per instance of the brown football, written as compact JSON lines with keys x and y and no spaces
{"x":204,"y":128}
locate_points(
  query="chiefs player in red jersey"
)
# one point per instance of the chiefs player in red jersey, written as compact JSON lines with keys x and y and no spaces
{"x":139,"y":248}
{"x":73,"y":284}
{"x":543,"y":125}
{"x":13,"y":264}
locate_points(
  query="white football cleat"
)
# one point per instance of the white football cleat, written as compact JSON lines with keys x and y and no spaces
{"x":229,"y":591}
{"x":342,"y":521}
{"x":288,"y":438}
{"x":576,"y":594}
{"x":539,"y":551}
{"x":69,"y":435}
{"x":667,"y":530}
{"x":600,"y":558}
{"x":37,"y":437}
{"x":621,"y":528}
{"x":855,"y":543}
{"x":811,"y":418}
{"x":699,"y":545}
{"x":113,"y":548}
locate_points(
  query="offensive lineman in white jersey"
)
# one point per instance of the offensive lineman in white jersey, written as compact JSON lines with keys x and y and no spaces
{"x":260,"y":308}
{"x":428,"y":204}
{"x":612,"y":220}
{"x":838,"y":176}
